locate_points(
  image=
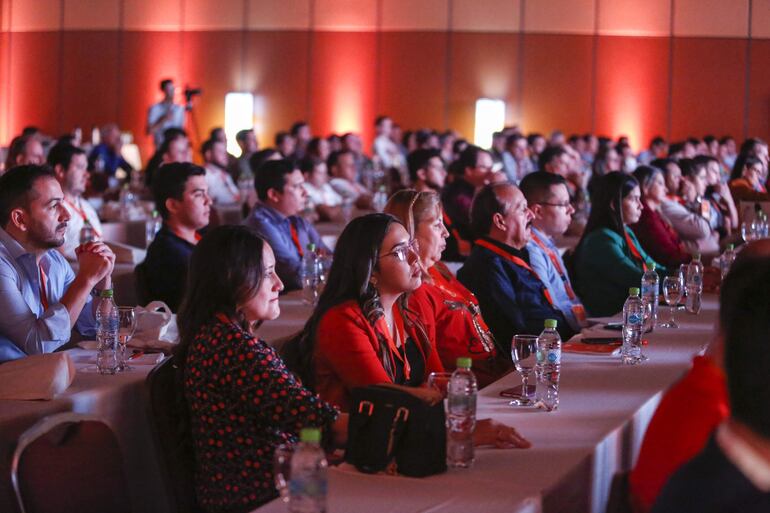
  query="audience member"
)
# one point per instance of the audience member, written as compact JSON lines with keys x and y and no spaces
{"x":672,"y":176}
{"x":41,"y":298}
{"x":71,"y":170}
{"x":516,"y":158}
{"x":321,"y":196}
{"x":165,"y":114}
{"x":512,"y":296}
{"x":232,"y":287}
{"x":342,"y":167}
{"x":300,"y":132}
{"x":609,"y":259}
{"x":731,"y":472}
{"x":653,"y":230}
{"x":384,"y":148}
{"x":247,"y":142}
{"x":459,"y":329}
{"x":658,"y":149}
{"x":749,"y":185}
{"x":174,"y":148}
{"x":318,"y":148}
{"x":106,"y":158}
{"x":24,"y":150}
{"x":282,"y":197}
{"x":548,"y":199}
{"x":426,"y":170}
{"x":285,"y":144}
{"x":181,"y":197}
{"x":222,"y":189}
{"x":720,"y":198}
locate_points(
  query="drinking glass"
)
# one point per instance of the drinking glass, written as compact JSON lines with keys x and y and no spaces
{"x":282,"y":469}
{"x":748,"y":231}
{"x":672,"y":291}
{"x":126,"y":328}
{"x":523,"y":354}
{"x":439,"y":381}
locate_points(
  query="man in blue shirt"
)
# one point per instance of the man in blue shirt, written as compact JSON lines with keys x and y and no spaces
{"x":105,"y":159}
{"x":41,"y":298}
{"x":512,"y":298}
{"x":181,"y":196}
{"x":281,"y":198}
{"x":548,"y":199}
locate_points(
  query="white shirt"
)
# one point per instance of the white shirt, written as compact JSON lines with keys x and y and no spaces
{"x":388,"y":152}
{"x":157,"y":111}
{"x":323,"y":195}
{"x":222,"y":189}
{"x":348,"y":190}
{"x":77,"y":210}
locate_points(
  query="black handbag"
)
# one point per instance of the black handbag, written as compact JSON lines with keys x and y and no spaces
{"x":394,"y":431}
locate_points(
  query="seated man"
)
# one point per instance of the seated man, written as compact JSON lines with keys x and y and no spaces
{"x":511,"y":295}
{"x":426,"y":170}
{"x":182,"y":199}
{"x":342,"y":168}
{"x":106,"y":158}
{"x":71,"y":169}
{"x":41,"y":298}
{"x":281,"y":198}
{"x":222,"y":188}
{"x":25,"y":149}
{"x":548,"y":199}
{"x":732,"y":472}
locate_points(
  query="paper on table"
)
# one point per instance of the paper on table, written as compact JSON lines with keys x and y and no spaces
{"x":576,"y":345}
{"x":40,"y":376}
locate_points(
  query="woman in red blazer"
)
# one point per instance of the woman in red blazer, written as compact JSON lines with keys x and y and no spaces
{"x":459,"y":329}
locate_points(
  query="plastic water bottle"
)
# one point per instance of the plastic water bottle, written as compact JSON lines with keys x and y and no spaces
{"x":87,"y":233}
{"x":650,"y":295}
{"x":548,"y":366}
{"x":106,"y":334}
{"x":694,"y":285}
{"x":126,"y":200}
{"x":380,"y":199}
{"x":728,"y":257}
{"x":461,"y":415}
{"x":311,"y":275}
{"x":633,"y":321}
{"x":308,"y":483}
{"x":152,"y":226}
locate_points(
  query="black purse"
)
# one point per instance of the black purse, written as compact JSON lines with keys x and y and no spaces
{"x":395,"y":431}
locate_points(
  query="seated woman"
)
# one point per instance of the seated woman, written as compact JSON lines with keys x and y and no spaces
{"x":321,"y":197}
{"x":722,"y":205}
{"x":748,"y":182}
{"x":609,"y":259}
{"x":242,"y":400}
{"x":653,"y":230}
{"x":459,"y":328}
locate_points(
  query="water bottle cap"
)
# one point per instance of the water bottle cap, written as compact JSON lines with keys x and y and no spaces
{"x":551,"y":323}
{"x":311,"y":246}
{"x":310,"y":435}
{"x":633,"y":291}
{"x":731,"y":247}
{"x":106,"y":293}
{"x":464,"y":362}
{"x":652,"y":265}
{"x":155,"y":213}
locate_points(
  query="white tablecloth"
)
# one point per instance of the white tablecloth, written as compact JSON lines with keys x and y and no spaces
{"x":604,"y":410}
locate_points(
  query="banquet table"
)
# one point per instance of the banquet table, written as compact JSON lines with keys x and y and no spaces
{"x":577,"y":450}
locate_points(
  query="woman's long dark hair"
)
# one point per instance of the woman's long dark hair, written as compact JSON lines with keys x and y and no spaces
{"x":748,"y":149}
{"x":644,"y":175}
{"x":607,"y":203}
{"x":356,"y":257}
{"x":225,"y":270}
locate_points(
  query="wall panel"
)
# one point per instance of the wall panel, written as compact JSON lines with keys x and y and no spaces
{"x":557,"y":83}
{"x":560,"y":16}
{"x":35,"y":15}
{"x":483,"y":65}
{"x":711,"y":18}
{"x":412,"y":86}
{"x":759,"y":90}
{"x":411,"y":15}
{"x":632,"y":88}
{"x":345,"y":15}
{"x":708,"y":87}
{"x":279,"y":14}
{"x":90,"y":15}
{"x":90,"y":74}
{"x":5,"y":102}
{"x":486,"y":15}
{"x":635,"y":17}
{"x":152,"y":14}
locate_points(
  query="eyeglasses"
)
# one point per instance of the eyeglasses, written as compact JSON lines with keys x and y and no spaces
{"x":402,"y":253}
{"x":562,"y":205}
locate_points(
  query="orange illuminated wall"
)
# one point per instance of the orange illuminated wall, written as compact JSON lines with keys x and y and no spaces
{"x":633,"y":67}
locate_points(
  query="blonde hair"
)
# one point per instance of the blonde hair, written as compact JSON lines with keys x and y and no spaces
{"x":412,"y":207}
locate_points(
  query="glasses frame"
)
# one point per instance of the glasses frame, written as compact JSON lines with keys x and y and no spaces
{"x":402,"y":253}
{"x":562,"y":205}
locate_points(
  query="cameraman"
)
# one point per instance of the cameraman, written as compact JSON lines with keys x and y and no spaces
{"x":164,"y":114}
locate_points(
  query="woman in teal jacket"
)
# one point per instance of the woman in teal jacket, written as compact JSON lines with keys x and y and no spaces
{"x":609,"y":259}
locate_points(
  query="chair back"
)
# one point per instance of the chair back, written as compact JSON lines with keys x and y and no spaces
{"x":169,"y":424}
{"x":69,"y":462}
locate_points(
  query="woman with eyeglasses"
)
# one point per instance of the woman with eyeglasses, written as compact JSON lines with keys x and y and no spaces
{"x":363,"y":331}
{"x":748,"y":183}
{"x":609,"y":259}
{"x":459,"y":328}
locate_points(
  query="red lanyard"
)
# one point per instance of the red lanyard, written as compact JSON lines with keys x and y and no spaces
{"x":634,"y":250}
{"x":82,"y":214}
{"x":463,"y":246}
{"x":398,"y":324}
{"x":556,"y":263}
{"x":43,"y":287}
{"x":295,"y":238}
{"x":518,"y":261}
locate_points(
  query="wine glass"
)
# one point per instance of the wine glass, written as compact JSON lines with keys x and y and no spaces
{"x":439,"y":381}
{"x":672,"y":291}
{"x":523,"y":354}
{"x":126,"y":328}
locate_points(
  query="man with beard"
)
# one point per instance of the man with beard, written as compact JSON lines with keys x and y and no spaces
{"x":71,"y":169}
{"x":512,"y":297}
{"x":41,"y":298}
{"x":426,"y":170}
{"x":222,"y":189}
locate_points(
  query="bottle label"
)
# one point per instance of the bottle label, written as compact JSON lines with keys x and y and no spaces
{"x":634,"y":318}
{"x":554,"y":356}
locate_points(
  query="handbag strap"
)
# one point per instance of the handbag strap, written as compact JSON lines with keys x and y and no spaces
{"x":397,"y":428}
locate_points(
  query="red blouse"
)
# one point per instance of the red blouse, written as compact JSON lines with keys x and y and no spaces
{"x":459,"y":328}
{"x":347,"y":353}
{"x":659,"y":239}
